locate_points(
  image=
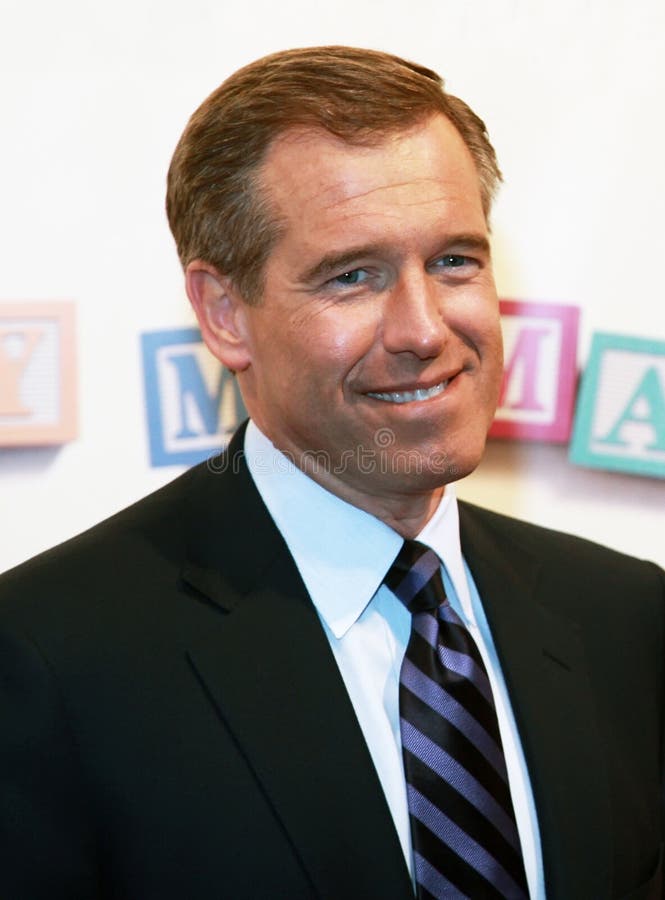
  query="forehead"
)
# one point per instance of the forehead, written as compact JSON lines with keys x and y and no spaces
{"x":309,"y":172}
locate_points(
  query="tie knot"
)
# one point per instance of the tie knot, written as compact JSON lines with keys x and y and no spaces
{"x":415,"y":577}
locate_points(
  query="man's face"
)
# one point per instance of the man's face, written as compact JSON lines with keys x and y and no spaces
{"x":377,"y":342}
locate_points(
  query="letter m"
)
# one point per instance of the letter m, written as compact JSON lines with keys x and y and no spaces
{"x":200,"y":408}
{"x":193,"y":405}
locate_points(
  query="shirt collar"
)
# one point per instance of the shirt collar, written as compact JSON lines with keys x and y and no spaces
{"x":341,"y":551}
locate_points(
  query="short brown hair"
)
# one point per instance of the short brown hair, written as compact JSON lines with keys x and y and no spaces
{"x":216,"y":209}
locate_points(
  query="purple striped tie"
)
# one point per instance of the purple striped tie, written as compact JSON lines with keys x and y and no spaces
{"x":465,"y":841}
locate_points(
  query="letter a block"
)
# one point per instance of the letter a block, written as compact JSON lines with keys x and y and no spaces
{"x":37,"y":374}
{"x":193,"y":404}
{"x":540,"y":370}
{"x":620,"y":423}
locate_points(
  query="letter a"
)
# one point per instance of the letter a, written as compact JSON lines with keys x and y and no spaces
{"x":645,"y":407}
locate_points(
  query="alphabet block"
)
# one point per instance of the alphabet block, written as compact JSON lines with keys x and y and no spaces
{"x":620,"y":422}
{"x":540,"y":371}
{"x":193,"y":404}
{"x":37,"y":374}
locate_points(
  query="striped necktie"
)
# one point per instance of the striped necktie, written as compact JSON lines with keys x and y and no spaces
{"x":465,"y":841}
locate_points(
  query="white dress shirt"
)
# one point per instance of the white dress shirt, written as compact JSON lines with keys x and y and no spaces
{"x":343,"y":554}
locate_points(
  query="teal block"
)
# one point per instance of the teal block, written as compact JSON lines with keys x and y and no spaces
{"x":620,"y":415}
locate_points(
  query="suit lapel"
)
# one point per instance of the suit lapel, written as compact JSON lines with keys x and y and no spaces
{"x":543,"y":662}
{"x":267,"y":667}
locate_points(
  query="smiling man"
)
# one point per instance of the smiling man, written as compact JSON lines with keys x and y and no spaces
{"x":304,"y":670}
{"x":378,"y":312}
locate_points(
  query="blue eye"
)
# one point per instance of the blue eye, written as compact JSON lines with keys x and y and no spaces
{"x":355,"y":276}
{"x":453,"y":261}
{"x":456,"y":265}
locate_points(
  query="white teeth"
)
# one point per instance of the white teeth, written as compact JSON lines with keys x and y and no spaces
{"x":409,"y":396}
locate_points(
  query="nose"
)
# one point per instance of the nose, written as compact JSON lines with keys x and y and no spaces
{"x":413,"y":317}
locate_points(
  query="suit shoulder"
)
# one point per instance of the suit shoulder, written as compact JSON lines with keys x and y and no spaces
{"x":152,"y":525}
{"x":550,"y":544}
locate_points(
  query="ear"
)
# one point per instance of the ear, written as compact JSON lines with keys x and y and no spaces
{"x":220,"y":312}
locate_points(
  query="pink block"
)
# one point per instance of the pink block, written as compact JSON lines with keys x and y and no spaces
{"x":540,"y":371}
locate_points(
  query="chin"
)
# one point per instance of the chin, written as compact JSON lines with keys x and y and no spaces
{"x":451,"y":464}
{"x":419,"y":471}
{"x":444,"y":455}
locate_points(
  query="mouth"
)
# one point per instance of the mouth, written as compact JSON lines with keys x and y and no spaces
{"x":410,"y":396}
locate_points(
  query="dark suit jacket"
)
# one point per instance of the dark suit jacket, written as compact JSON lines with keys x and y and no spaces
{"x":173,"y":724}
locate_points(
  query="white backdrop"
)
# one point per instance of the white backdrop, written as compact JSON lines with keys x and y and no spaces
{"x":94,"y":96}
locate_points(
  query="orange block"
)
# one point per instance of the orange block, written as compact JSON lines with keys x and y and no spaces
{"x":37,"y":374}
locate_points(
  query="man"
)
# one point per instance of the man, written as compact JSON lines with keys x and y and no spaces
{"x":214,"y":693}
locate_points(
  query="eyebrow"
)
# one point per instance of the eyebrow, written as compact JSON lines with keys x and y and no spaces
{"x":333,"y":263}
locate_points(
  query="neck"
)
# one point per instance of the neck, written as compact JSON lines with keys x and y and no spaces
{"x":405,"y":511}
{"x":399,"y":500}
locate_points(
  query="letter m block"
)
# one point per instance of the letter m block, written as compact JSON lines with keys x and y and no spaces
{"x":37,"y":374}
{"x":193,"y":404}
{"x":620,"y":423}
{"x":540,"y":371}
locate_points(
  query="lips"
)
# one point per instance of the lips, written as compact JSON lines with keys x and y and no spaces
{"x":410,"y":396}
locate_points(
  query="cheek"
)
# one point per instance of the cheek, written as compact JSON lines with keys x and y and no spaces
{"x":480,"y":328}
{"x":334,"y":345}
{"x":493,"y":364}
{"x":492,"y":359}
{"x":490,"y":341}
